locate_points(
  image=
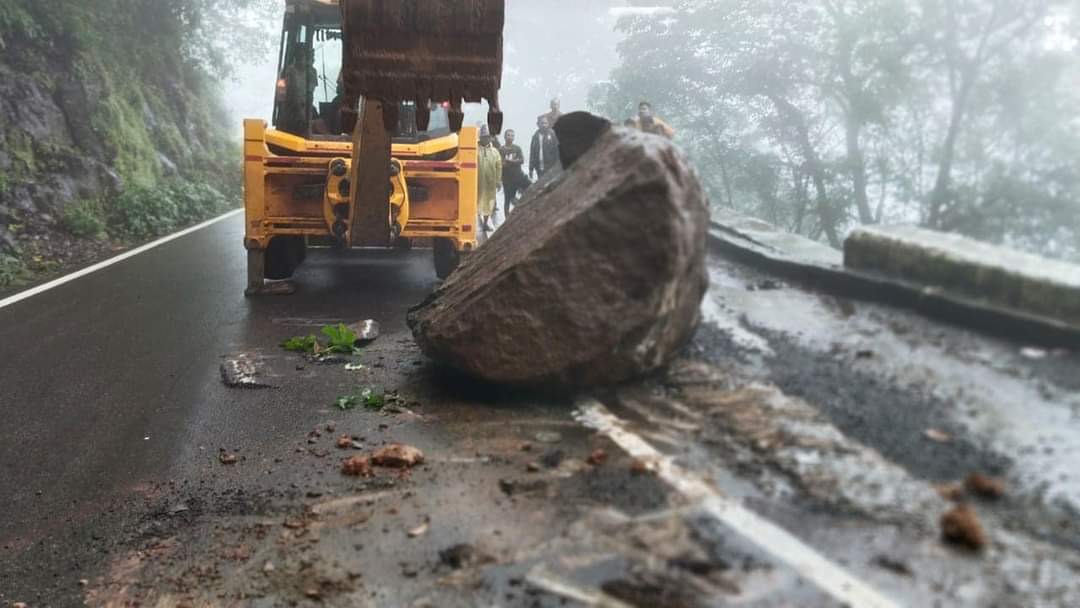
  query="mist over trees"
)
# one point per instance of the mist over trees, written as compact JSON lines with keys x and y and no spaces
{"x":821,"y":115}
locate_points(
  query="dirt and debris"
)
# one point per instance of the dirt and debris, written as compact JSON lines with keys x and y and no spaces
{"x":397,"y":456}
{"x":598,"y":457}
{"x":583,"y":329}
{"x":515,"y":487}
{"x":553,"y":458}
{"x":244,"y":371}
{"x":894,"y":565}
{"x":464,"y":555}
{"x":357,"y":466}
{"x":961,"y":526}
{"x":985,"y":486}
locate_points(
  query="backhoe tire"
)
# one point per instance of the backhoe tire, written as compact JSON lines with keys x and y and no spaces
{"x":447,"y":257}
{"x":284,"y":256}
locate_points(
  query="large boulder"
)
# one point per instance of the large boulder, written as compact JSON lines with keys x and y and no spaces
{"x":596,"y":278}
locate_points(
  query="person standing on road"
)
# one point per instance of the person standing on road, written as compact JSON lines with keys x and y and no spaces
{"x":489,"y":179}
{"x":554,"y":114}
{"x":513,"y":177}
{"x":544,"y":151}
{"x":650,"y":123}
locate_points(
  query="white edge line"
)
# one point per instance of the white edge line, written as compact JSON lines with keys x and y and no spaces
{"x":29,"y":293}
{"x":778,"y":542}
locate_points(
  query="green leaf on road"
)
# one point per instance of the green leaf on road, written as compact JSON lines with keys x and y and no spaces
{"x":342,"y":339}
{"x":374,"y":399}
{"x":347,"y":402}
{"x":300,"y":344}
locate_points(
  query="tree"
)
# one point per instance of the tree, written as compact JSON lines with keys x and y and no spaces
{"x":936,"y":112}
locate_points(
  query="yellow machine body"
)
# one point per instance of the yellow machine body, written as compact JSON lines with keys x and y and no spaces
{"x":291,"y":189}
{"x":327,"y":173}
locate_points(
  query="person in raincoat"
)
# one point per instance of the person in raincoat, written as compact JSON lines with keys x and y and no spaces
{"x":650,"y":123}
{"x":489,"y":178}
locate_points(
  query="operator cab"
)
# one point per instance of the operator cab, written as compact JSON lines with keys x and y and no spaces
{"x":308,"y":98}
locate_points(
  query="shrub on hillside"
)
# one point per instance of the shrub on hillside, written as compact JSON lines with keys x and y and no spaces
{"x":85,"y":219}
{"x":142,"y":212}
{"x":12,"y":271}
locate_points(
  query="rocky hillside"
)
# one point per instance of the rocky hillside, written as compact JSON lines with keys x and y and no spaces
{"x":111,"y":130}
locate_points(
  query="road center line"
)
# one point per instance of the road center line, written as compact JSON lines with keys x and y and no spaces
{"x":29,"y":293}
{"x":776,"y":541}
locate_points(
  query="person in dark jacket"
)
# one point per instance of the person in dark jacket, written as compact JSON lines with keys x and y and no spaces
{"x":514,"y":178}
{"x":544,"y":152}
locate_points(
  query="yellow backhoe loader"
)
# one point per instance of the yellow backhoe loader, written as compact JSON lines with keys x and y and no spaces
{"x":367,"y":147}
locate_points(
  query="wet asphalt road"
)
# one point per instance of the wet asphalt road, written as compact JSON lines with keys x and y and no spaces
{"x":113,"y":380}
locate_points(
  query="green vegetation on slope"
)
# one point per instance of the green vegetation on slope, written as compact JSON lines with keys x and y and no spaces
{"x":115,"y":124}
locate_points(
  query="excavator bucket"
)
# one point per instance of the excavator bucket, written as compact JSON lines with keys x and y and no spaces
{"x":424,"y":51}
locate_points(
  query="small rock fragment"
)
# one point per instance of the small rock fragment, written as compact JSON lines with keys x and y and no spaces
{"x":268,"y":567}
{"x":533,"y":467}
{"x":552,"y":458}
{"x":227,"y":457}
{"x":463,"y":556}
{"x":344,"y":442}
{"x":893,"y":564}
{"x":357,"y":466}
{"x":597,"y":458}
{"x":938,"y":436}
{"x":312,"y":593}
{"x":398,"y":456}
{"x":513,"y":487}
{"x":419,"y":531}
{"x":84,"y":582}
{"x":366,"y":331}
{"x":242,"y":372}
{"x":961,"y":526}
{"x":985,"y":486}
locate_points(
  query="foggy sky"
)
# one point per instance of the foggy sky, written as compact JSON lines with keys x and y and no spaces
{"x":553,"y":48}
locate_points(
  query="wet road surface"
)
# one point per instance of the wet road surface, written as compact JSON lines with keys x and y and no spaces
{"x":809,"y":412}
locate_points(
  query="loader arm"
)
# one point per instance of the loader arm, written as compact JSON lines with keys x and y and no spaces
{"x":420,"y":51}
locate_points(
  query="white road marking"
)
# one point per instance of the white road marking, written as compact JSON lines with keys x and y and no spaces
{"x":29,"y":293}
{"x":781,"y":544}
{"x":542,"y":578}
